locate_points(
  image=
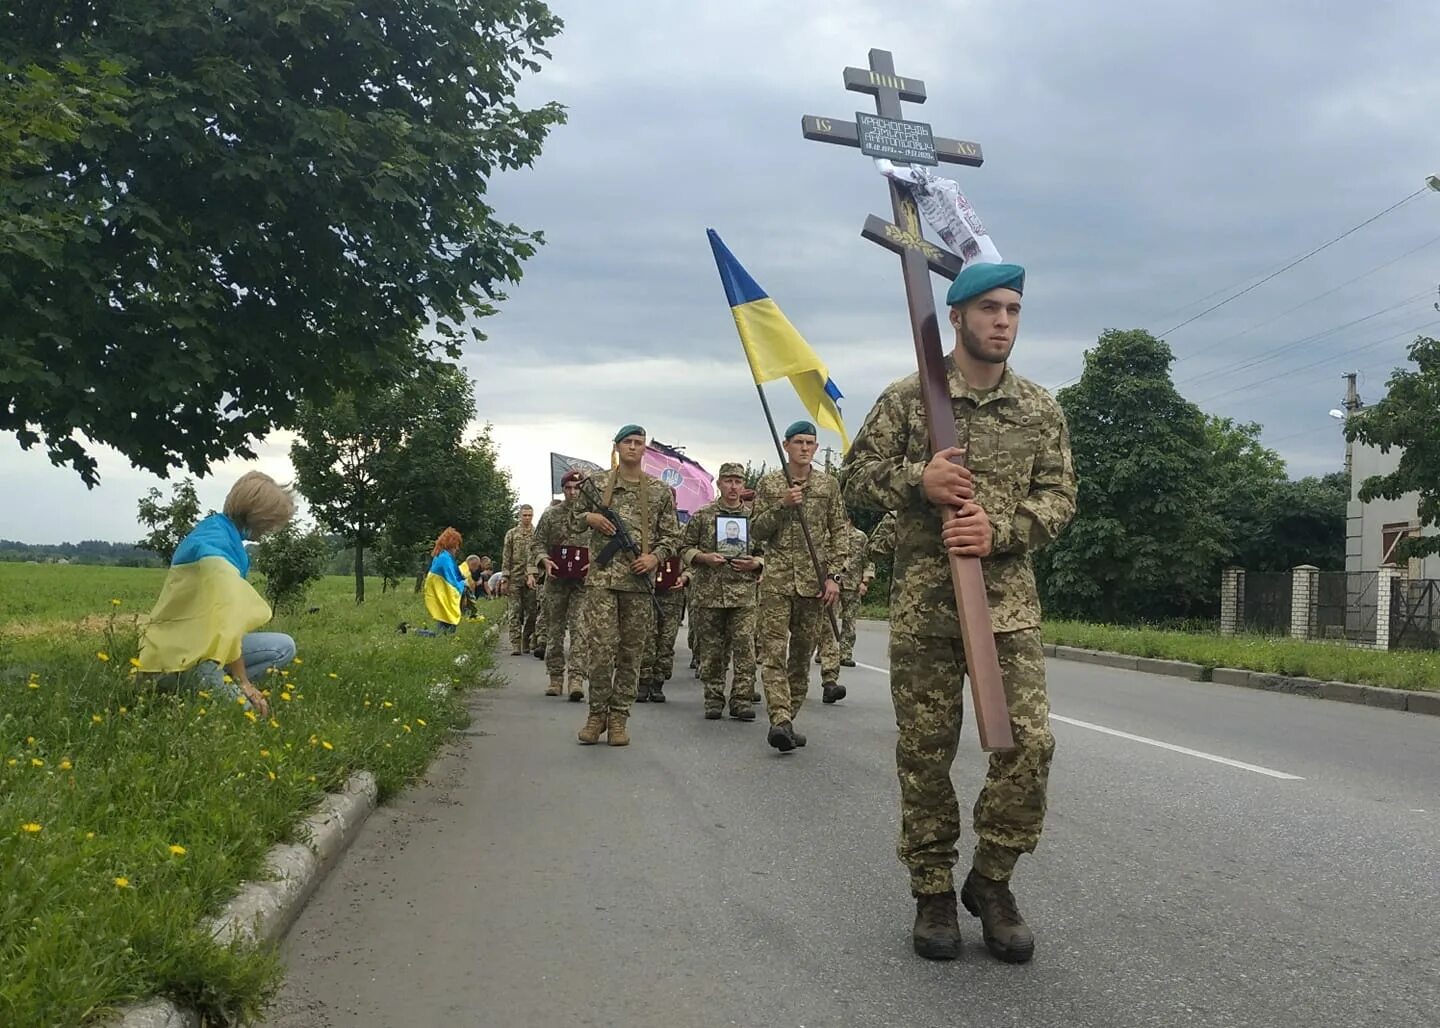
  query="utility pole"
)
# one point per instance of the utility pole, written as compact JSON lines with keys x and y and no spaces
{"x":1352,"y":404}
{"x":827,"y":451}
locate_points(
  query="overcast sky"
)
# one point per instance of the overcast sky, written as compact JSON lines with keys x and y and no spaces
{"x":1139,"y":157}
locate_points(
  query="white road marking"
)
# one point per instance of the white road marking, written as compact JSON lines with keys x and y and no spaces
{"x":1271,"y":772}
{"x":1180,"y":749}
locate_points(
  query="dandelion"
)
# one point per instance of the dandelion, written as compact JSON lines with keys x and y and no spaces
{"x":312,"y":778}
{"x":102,"y":656}
{"x":36,"y":762}
{"x":200,"y":711}
{"x":327,"y":745}
{"x":274,"y":723}
{"x":31,"y":827}
{"x":421,"y":722}
{"x":285,"y":696}
{"x":96,"y":719}
{"x":251,"y":715}
{"x":406,"y":727}
{"x":271,"y":774}
{"x":32,"y":684}
{"x":284,"y":674}
{"x":65,"y":764}
{"x":367,"y":703}
{"x":121,"y":882}
{"x":89,"y":836}
{"x":177,"y":851}
{"x":228,"y":679}
{"x":11,"y":762}
{"x":264,"y":753}
{"x":332,"y":675}
{"x":202,"y":694}
{"x":29,"y":740}
{"x":298,"y":662}
{"x":314,"y":739}
{"x":124,"y":710}
{"x":135,"y":662}
{"x":387,"y":704}
{"x":115,"y":602}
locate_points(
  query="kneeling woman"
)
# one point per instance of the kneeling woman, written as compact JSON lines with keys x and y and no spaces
{"x":443,"y":585}
{"x":203,"y":624}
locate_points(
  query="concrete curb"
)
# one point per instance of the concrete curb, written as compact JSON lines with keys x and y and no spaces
{"x":263,"y":911}
{"x":1412,"y":701}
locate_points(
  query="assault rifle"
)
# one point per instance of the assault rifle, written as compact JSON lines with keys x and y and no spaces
{"x":621,"y":542}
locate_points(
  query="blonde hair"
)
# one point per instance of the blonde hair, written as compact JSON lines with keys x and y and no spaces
{"x":258,"y":504}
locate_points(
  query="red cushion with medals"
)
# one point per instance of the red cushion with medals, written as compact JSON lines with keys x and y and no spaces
{"x":570,"y":561}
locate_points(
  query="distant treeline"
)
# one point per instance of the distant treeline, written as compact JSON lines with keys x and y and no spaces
{"x":87,"y":551}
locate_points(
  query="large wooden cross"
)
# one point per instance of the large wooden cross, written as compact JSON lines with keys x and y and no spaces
{"x":891,"y":136}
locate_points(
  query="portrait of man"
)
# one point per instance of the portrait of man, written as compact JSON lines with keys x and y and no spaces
{"x":732,"y":536}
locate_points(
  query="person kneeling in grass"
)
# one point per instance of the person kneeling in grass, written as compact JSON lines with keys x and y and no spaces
{"x":444,"y":584}
{"x":201,"y":631}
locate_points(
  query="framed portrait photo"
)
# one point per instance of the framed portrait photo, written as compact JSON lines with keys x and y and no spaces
{"x":732,"y":535}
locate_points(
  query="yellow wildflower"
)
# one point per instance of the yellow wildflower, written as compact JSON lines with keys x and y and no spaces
{"x":406,"y":727}
{"x":251,"y":715}
{"x":200,"y":711}
{"x":327,"y":745}
{"x":332,"y":675}
{"x":32,"y":684}
{"x":65,"y":764}
{"x":285,"y":696}
{"x":264,"y":753}
{"x":102,"y":655}
{"x":96,"y":719}
{"x":115,"y":602}
{"x":202,"y":694}
{"x":421,"y":722}
{"x":36,"y":762}
{"x":124,"y":710}
{"x":274,"y":723}
{"x":121,"y":882}
{"x":89,"y":835}
{"x":29,"y":740}
{"x":387,"y":704}
{"x":177,"y":851}
{"x":297,"y":661}
{"x":30,"y":826}
{"x":11,"y":762}
{"x":271,"y":774}
{"x":134,"y":661}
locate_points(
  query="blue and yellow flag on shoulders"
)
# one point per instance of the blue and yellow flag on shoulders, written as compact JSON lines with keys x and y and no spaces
{"x":773,"y":346}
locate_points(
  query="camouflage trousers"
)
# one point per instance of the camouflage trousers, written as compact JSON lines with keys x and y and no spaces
{"x":524,"y":606}
{"x":540,"y":632}
{"x":562,"y":610}
{"x":616,"y":625}
{"x":831,"y":652}
{"x":927,"y":684}
{"x":659,"y":661}
{"x":727,"y":637}
{"x":788,"y":629}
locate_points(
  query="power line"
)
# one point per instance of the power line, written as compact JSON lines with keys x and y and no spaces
{"x":1271,"y":354}
{"x":1298,"y":260}
{"x":1306,"y":303}
{"x":1315,"y":364}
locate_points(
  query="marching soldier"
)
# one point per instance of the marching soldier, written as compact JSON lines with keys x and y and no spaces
{"x":792,"y":601}
{"x":1014,"y":496}
{"x":561,"y":554}
{"x":618,"y":614}
{"x":855,"y":579}
{"x":670,"y":591}
{"x":723,"y":596}
{"x":520,"y":577}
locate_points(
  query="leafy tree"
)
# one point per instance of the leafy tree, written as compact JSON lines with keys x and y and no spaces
{"x":1243,"y":476}
{"x":169,"y":523}
{"x":1408,"y":418}
{"x":1305,"y":524}
{"x":217,"y":211}
{"x":1146,"y":537}
{"x":394,"y":463}
{"x":291,"y":560}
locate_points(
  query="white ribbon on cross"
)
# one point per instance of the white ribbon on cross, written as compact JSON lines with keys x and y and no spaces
{"x":946,"y":210}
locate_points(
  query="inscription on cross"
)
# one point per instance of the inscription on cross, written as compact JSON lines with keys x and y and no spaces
{"x":919,"y":257}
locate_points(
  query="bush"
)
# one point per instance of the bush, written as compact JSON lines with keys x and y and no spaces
{"x":291,"y":560}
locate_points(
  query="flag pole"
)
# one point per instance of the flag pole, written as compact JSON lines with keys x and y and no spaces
{"x":799,"y":511}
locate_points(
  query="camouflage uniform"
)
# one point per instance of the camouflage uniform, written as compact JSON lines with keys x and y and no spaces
{"x":791,"y":615}
{"x":618,"y":616}
{"x":659,"y":663}
{"x":722,"y":611}
{"x":1018,"y":448}
{"x":561,"y":596}
{"x":515,"y":562}
{"x":831,"y":652}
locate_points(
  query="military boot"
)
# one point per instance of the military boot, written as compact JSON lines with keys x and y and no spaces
{"x":539,"y":652}
{"x":1007,"y":935}
{"x":937,"y":926}
{"x":657,"y":692}
{"x":782,"y":737}
{"x":556,"y":681}
{"x":642,"y":692}
{"x":831,"y":691}
{"x":577,"y":688}
{"x":595,"y":726}
{"x":619,"y":734}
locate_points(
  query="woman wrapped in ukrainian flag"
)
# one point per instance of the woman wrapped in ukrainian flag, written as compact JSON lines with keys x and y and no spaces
{"x":444,"y":585}
{"x":202,"y":630}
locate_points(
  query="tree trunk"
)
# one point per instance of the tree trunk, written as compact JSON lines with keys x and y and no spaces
{"x":359,"y":573}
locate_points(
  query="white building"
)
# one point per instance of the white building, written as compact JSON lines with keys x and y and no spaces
{"x":1373,"y":529}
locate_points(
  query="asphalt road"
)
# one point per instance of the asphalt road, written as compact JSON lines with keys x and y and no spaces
{"x":1273,"y":861}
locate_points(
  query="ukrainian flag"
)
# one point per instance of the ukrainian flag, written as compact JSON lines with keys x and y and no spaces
{"x":773,"y":346}
{"x":443,"y":586}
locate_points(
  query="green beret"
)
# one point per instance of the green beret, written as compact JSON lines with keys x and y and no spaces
{"x":981,"y":278}
{"x":628,"y":430}
{"x":800,"y":428}
{"x":730,"y":469}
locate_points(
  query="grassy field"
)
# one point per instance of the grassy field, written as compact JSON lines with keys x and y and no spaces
{"x":126,"y":816}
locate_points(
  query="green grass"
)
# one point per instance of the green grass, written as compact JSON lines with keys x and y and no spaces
{"x":1330,"y":662}
{"x":126,"y":816}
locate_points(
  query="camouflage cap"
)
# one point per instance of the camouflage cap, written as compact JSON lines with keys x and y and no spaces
{"x":730,"y":469}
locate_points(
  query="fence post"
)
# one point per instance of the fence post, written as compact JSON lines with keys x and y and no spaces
{"x":1304,"y":593}
{"x":1385,"y":583}
{"x":1232,"y":600}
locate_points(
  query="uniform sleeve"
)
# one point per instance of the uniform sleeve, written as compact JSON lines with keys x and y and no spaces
{"x":507,"y":551}
{"x":690,"y":538}
{"x":767,"y":515}
{"x":1043,"y":514}
{"x":876,"y":474}
{"x":543,"y":538}
{"x":667,"y":538}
